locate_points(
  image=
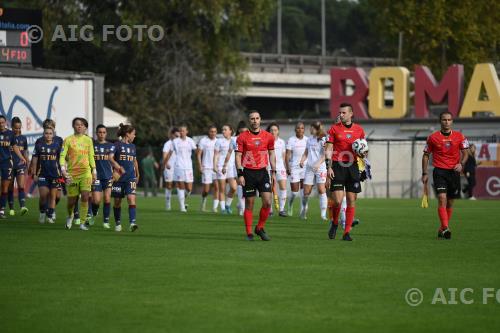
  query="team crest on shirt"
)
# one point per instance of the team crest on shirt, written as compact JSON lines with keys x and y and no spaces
{"x":48,"y":150}
{"x":348,"y":135}
{"x":102,"y":149}
{"x":128,"y":150}
{"x":257,"y":142}
{"x":447,"y":144}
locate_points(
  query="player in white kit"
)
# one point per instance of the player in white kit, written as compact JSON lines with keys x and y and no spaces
{"x":242,"y":127}
{"x":281,"y":175}
{"x":315,"y":169}
{"x":205,"y":158}
{"x":295,"y":148}
{"x":225,"y":169}
{"x":168,"y":174}
{"x":183,"y":147}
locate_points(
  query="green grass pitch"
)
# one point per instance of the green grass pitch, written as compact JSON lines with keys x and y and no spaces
{"x":196,"y":273}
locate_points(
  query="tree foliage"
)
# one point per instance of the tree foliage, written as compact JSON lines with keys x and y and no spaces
{"x":438,"y":33}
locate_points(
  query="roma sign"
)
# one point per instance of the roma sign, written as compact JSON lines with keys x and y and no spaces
{"x":483,"y":93}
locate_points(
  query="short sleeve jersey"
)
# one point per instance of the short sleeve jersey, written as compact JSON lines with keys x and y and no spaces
{"x":78,"y":154}
{"x":279,"y":149}
{"x":207,"y":145}
{"x":7,"y":140}
{"x":297,"y":147}
{"x":102,"y":151}
{"x":222,"y":146}
{"x":125,"y":154}
{"x":167,"y":146}
{"x":445,"y":149}
{"x":183,"y":151}
{"x":47,"y":156}
{"x":22,"y":144}
{"x":342,"y":137}
{"x":254,"y":148}
{"x":315,"y":150}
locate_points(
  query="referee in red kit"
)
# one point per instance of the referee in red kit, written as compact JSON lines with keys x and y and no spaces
{"x":255,"y":149}
{"x":449,"y":156}
{"x":342,"y":168}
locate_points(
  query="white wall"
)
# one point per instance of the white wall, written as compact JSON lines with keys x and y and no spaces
{"x":33,"y":100}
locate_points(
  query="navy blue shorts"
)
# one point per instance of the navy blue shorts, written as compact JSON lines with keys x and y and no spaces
{"x":101,"y":184}
{"x":18,"y":172}
{"x":122,"y":189}
{"x":49,"y":182}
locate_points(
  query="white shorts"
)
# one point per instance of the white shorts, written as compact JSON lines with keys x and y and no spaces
{"x":281,"y":175}
{"x":230,"y":173}
{"x":183,"y":175}
{"x":207,"y":176}
{"x":296,"y":174}
{"x":311,"y":177}
{"x":168,"y":175}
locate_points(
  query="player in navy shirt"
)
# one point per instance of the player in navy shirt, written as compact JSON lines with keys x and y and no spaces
{"x":125,"y":185}
{"x":19,"y":168}
{"x":48,"y":175}
{"x":7,"y":143}
{"x":104,"y":152}
{"x":48,"y":123}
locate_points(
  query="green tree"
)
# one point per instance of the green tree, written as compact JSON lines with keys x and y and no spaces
{"x":438,"y":33}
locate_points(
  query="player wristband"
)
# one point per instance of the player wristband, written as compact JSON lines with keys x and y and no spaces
{"x":273,"y":171}
{"x":424,"y":173}
{"x":240,"y":172}
{"x":328,"y":163}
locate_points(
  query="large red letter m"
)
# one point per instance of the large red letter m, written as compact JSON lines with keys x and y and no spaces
{"x":451,"y":86}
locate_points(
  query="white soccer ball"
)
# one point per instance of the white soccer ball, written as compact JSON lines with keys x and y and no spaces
{"x":360,"y":146}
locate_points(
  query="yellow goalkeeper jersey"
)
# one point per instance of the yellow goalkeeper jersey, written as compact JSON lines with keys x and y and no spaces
{"x":78,"y":155}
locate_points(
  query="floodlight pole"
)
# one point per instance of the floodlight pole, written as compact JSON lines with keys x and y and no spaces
{"x":279,"y":27}
{"x":323,"y":29}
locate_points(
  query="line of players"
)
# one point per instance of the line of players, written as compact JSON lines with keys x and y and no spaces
{"x":87,"y":171}
{"x":86,"y":166}
{"x":301,"y":161}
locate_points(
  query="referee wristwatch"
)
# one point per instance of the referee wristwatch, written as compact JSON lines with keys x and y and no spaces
{"x":240,"y":172}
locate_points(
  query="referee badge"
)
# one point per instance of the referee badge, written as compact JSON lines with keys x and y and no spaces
{"x":356,"y":185}
{"x":267,"y":185}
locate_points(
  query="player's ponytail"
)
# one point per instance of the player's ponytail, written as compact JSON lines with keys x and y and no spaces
{"x":320,"y":131}
{"x":124,"y":129}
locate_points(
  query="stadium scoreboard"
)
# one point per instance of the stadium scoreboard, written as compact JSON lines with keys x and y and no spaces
{"x":15,"y":44}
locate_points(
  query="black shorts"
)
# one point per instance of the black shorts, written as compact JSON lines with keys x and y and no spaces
{"x":346,"y":177}
{"x":256,"y":180}
{"x":447,"y":181}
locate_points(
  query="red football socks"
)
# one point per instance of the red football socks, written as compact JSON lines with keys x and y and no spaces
{"x":349,"y":217}
{"x":443,"y":217}
{"x":264,"y":214}
{"x":248,"y":218}
{"x":449,"y":210}
{"x":335,"y":213}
